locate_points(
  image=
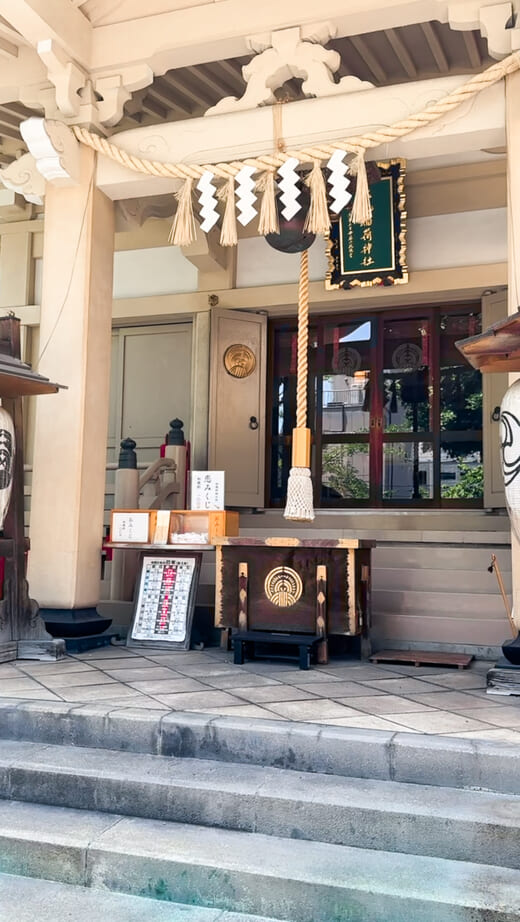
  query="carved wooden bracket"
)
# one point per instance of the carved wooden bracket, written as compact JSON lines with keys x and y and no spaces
{"x":284,"y":55}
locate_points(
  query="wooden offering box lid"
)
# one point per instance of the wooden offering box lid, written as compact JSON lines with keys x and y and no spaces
{"x":352,"y":543}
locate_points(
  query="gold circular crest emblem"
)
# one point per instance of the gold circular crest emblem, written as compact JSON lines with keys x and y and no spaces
{"x":239,"y":361}
{"x":283,"y":586}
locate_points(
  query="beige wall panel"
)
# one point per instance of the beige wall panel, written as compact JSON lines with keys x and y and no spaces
{"x":151,"y":384}
{"x":234,"y":446}
{"x":423,"y":629}
{"x":153,"y":271}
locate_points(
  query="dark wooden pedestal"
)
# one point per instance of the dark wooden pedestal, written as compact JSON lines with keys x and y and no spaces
{"x":294,"y":592}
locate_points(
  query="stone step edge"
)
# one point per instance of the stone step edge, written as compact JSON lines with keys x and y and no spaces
{"x":249,"y":872}
{"x":36,"y":898}
{"x":437,"y":822}
{"x":378,"y":754}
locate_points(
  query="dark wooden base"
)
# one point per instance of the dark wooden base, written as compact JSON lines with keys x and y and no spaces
{"x":7,"y":651}
{"x":422,"y":658}
{"x":244,"y":645}
{"x":45,"y":650}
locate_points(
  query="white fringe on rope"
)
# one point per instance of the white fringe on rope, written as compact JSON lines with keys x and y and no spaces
{"x":299,"y":504}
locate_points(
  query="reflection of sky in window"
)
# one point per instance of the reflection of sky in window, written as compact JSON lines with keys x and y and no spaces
{"x":362,"y":332}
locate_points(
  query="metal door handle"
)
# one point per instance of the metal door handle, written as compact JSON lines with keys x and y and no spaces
{"x":253,"y":422}
{"x":495,"y":416}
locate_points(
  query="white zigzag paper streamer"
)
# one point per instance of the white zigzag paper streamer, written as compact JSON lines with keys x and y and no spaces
{"x":207,"y":201}
{"x":245,"y":193}
{"x":289,"y":188}
{"x":338,"y":181}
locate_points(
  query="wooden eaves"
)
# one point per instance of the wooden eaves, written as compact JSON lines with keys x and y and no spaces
{"x":495,"y":349}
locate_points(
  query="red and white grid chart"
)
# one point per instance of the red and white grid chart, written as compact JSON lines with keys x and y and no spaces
{"x":164,"y":597}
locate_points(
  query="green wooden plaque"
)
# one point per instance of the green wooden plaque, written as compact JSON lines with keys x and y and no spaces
{"x":372,"y":254}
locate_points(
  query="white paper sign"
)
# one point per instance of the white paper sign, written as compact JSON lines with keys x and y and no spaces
{"x":130,"y":527}
{"x":207,"y":490}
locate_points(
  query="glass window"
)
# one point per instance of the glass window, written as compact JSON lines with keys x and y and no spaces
{"x":407,"y":345}
{"x":394,"y":409}
{"x":345,"y":471}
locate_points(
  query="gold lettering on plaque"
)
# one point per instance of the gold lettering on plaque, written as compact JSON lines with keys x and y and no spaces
{"x":239,"y":361}
{"x":283,"y":586}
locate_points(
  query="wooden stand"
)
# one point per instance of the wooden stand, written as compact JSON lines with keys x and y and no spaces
{"x":22,"y":630}
{"x":292,"y":592}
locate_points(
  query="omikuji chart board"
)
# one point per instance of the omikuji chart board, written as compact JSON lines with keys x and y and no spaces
{"x":165,"y":601}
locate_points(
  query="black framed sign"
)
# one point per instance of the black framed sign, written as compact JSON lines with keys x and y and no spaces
{"x":373,"y":254}
{"x":166,"y":590}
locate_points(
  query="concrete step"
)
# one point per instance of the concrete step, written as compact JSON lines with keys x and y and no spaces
{"x":287,"y":879}
{"x":433,"y":581}
{"x":417,"y":819}
{"x":440,"y":558}
{"x":24,"y":899}
{"x":305,"y":747}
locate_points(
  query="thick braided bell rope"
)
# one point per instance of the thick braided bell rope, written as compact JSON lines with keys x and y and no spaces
{"x":356,"y":144}
{"x":303,"y":342}
{"x":299,"y":503}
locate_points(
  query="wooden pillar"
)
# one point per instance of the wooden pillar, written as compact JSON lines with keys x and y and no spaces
{"x":71,"y":430}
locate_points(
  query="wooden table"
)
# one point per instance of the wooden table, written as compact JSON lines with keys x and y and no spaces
{"x":292,"y":585}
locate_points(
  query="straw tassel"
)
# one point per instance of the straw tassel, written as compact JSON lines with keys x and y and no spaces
{"x":268,"y":222}
{"x":362,"y":206}
{"x":317,"y":220}
{"x":183,"y":228}
{"x":228,"y":234}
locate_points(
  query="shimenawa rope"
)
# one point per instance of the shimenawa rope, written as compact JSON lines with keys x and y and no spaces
{"x":268,"y":163}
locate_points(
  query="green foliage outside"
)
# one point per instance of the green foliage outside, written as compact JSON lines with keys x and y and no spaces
{"x":470,"y":485}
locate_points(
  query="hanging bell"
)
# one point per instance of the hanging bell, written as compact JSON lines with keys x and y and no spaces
{"x":293,"y":238}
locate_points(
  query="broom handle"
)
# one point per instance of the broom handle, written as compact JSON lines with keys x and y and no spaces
{"x":498,"y":574}
{"x":303,"y":342}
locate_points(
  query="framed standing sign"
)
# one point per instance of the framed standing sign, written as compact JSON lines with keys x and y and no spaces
{"x":362,"y":255}
{"x":167,"y":586}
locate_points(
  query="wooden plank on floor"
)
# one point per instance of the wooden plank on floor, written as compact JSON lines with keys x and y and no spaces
{"x":423,"y":658}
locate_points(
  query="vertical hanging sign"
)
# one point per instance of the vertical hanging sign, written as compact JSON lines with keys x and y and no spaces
{"x":375,"y":253}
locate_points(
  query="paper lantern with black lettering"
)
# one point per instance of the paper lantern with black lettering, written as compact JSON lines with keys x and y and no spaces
{"x":7,"y":450}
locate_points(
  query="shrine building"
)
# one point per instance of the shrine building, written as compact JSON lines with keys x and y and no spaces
{"x":143,"y":326}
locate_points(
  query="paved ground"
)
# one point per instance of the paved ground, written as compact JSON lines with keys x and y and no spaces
{"x":346,"y":693}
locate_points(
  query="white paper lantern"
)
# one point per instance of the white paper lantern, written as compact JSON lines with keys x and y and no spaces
{"x":510,"y":444}
{"x":7,"y":450}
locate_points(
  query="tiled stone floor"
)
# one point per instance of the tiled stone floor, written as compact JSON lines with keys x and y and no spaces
{"x":346,"y":693}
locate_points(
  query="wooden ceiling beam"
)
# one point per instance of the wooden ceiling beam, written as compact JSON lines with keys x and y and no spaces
{"x":435,"y":47}
{"x":9,"y":118}
{"x":369,"y":58}
{"x":160,"y":93}
{"x":233,"y":69}
{"x":472,"y":49}
{"x":216,"y":84}
{"x":154,"y":108}
{"x":200,"y":99}
{"x":402,"y":53}
{"x":7,"y":131}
